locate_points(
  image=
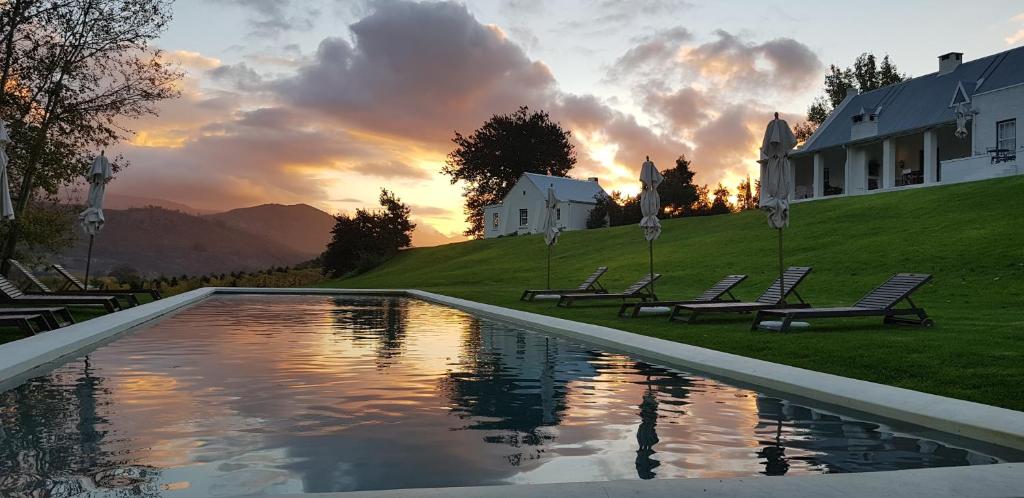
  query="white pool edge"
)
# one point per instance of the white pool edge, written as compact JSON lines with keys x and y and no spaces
{"x":971,"y":420}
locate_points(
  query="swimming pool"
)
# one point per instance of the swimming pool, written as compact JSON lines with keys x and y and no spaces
{"x":278,"y":394}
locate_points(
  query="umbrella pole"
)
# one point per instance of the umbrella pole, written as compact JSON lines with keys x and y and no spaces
{"x":650,"y":251}
{"x":549,"y":268}
{"x":88,"y":262}
{"x":782,"y":274}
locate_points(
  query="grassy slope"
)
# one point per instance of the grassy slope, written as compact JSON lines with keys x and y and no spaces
{"x":970,"y":236}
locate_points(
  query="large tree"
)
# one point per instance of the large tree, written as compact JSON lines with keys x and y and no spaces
{"x":864,"y":75}
{"x":75,"y":72}
{"x":492,"y":158}
{"x":362,"y":241}
{"x":677,"y":191}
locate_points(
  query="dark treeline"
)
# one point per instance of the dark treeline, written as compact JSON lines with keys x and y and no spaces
{"x":680,"y":197}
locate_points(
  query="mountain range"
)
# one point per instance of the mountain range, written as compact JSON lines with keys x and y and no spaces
{"x":156,"y":236}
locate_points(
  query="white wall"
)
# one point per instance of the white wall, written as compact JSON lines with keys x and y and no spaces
{"x":993,"y":107}
{"x":524,"y":195}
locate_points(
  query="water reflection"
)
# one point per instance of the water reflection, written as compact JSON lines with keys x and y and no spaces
{"x":280,"y":394}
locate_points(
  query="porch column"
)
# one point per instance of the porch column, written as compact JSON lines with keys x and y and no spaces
{"x":930,"y":165}
{"x":856,"y":171}
{"x":888,"y":163}
{"x":819,"y":175}
{"x":848,"y":186}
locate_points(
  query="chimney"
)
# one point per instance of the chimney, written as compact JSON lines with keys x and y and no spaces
{"x":949,"y":62}
{"x":592,"y":179}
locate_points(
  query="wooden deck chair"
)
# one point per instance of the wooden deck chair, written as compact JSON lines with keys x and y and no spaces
{"x":55,"y":317}
{"x":881,"y":302}
{"x":641,"y":290}
{"x":127,"y":297}
{"x":589,"y":285}
{"x":31,"y":324}
{"x":10,"y":293}
{"x":771,"y":298}
{"x":714,"y":294}
{"x":73,"y":284}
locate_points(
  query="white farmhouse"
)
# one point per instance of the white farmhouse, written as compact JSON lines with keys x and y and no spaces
{"x":954,"y":125}
{"x":521,"y":210}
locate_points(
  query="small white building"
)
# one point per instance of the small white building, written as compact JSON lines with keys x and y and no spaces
{"x":522,"y":209}
{"x":907,"y":134}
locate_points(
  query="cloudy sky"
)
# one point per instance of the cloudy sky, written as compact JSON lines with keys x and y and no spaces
{"x":325,"y":101}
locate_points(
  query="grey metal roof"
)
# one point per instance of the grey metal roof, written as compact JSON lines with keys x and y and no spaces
{"x":921,"y":102}
{"x":567,"y":189}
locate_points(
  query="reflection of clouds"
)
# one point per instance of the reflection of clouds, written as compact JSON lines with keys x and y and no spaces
{"x":243,"y":394}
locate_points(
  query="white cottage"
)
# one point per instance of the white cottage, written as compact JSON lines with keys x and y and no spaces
{"x":954,"y":125}
{"x":521,"y":210}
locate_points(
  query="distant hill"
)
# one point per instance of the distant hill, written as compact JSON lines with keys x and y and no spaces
{"x":300,"y":227}
{"x":156,"y":240}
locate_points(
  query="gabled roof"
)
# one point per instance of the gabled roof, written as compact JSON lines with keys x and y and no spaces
{"x":566,"y":189}
{"x":923,"y":101}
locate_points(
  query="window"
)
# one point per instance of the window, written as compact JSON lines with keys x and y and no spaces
{"x":1006,"y":135}
{"x":558,"y":214}
{"x":495,"y":221}
{"x":524,"y":218}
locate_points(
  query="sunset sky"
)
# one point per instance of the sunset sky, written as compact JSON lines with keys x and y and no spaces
{"x":323,"y":102}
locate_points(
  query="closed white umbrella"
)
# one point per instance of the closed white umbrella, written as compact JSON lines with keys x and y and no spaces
{"x":550,"y":226}
{"x":777,"y":180}
{"x":92,"y":218}
{"x":650,"y":204}
{"x":6,"y":206}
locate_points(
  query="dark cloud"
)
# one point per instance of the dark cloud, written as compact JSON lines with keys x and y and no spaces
{"x":432,"y":211}
{"x":272,"y":17}
{"x":390,"y":169}
{"x":618,"y":11}
{"x":790,"y":65}
{"x":240,"y":76}
{"x":348,"y":200}
{"x":419,"y":71}
{"x":657,"y":49}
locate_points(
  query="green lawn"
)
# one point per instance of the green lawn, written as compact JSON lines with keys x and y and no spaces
{"x":969,"y":236}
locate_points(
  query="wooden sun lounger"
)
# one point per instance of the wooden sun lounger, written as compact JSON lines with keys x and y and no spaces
{"x":44,"y":289}
{"x":73,"y":284}
{"x":881,"y":302}
{"x":589,"y":285}
{"x":10,"y":293}
{"x":56,"y":317}
{"x":714,"y":294}
{"x":640,"y":290}
{"x":769,"y":299}
{"x":30,"y":324}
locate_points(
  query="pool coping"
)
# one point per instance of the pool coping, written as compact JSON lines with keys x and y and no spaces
{"x":986,"y":423}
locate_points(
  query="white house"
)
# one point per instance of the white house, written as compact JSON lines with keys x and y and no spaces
{"x":907,"y":134}
{"x":522,"y":209}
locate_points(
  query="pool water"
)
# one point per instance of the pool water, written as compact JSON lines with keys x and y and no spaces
{"x":285,"y":394}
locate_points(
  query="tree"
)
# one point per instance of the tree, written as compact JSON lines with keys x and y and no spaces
{"x":369,"y":238}
{"x":745,"y":196}
{"x":126,"y":274}
{"x":74,"y":73}
{"x":721,"y":203}
{"x":493,"y":157}
{"x":677,"y":191}
{"x":701,"y":206}
{"x":864,"y":76}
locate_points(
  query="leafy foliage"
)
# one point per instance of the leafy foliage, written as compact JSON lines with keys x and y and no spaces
{"x":492,"y":158}
{"x":368,"y":238}
{"x":677,"y":191}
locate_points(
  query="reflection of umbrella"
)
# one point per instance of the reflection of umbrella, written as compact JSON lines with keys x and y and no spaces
{"x":550,"y":226}
{"x":776,"y":180}
{"x":647,"y":435}
{"x":650,"y":204}
{"x":92,"y":218}
{"x":6,"y":207}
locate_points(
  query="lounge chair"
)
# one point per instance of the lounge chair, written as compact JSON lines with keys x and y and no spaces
{"x":714,"y":294}
{"x":640,"y":290}
{"x":881,"y":301}
{"x":10,"y":293}
{"x":31,"y":324}
{"x":589,"y":285}
{"x":127,"y":297}
{"x":73,"y":284}
{"x":769,"y":299}
{"x":56,"y":317}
